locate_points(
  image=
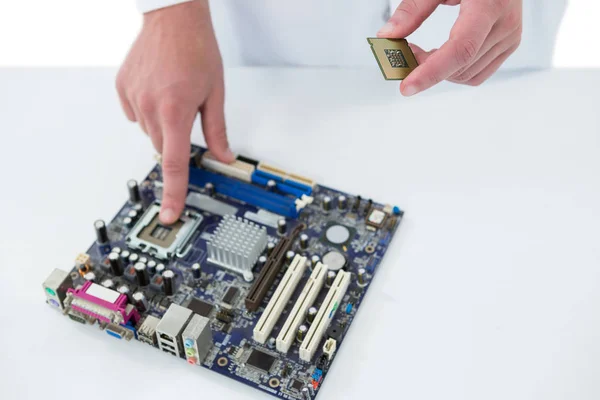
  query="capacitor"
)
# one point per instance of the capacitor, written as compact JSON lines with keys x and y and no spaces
{"x":143,"y":260}
{"x":151,"y":267}
{"x":305,"y":393}
{"x":314,"y":260}
{"x":101,"y":233}
{"x":134,"y":191}
{"x":342,"y":202}
{"x":132,"y":214}
{"x":140,"y":301}
{"x":108,"y":283}
{"x":127,"y":221}
{"x":160,"y":268}
{"x":302,"y":329}
{"x":356,"y":204}
{"x":90,"y":276}
{"x":326,"y":203}
{"x":125,"y":255}
{"x":368,"y":206}
{"x":271,"y":343}
{"x":137,"y":207}
{"x":116,"y":250}
{"x":361,"y":276}
{"x":281,"y":226}
{"x":289,"y":256}
{"x":196,"y":271}
{"x":271,"y":185}
{"x":209,"y":188}
{"x":304,"y":241}
{"x":124,"y":289}
{"x":311,"y":314}
{"x":141,"y":274}
{"x":116,"y":265}
{"x":262,"y":260}
{"x":330,"y":277}
{"x":133,"y":258}
{"x":168,"y":282}
{"x":270,"y":247}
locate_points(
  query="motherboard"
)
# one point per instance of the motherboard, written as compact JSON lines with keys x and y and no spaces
{"x":259,"y":279}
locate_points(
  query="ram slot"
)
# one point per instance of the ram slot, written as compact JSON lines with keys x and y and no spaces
{"x":326,"y":312}
{"x":305,"y":300}
{"x":282,"y":295}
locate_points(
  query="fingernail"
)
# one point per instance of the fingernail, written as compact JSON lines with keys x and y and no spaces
{"x":229,"y":154}
{"x":168,"y":216}
{"x":410,"y":91}
{"x":387,"y":28}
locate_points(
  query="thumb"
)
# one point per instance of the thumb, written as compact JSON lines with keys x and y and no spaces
{"x":213,"y":125}
{"x":409,"y":15}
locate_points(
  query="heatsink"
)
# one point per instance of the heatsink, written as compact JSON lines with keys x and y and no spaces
{"x":236,"y":245}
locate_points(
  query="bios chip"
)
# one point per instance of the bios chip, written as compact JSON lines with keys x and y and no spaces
{"x":394,"y":56}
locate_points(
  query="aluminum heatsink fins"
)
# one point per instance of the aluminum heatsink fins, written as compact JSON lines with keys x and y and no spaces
{"x":236,"y":245}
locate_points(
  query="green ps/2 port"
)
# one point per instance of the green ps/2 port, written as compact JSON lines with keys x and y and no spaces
{"x":50,"y":292}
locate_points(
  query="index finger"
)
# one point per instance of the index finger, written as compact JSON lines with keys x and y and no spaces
{"x":175,"y":167}
{"x":468,"y":34}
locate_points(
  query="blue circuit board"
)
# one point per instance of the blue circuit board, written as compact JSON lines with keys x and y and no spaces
{"x":370,"y":227}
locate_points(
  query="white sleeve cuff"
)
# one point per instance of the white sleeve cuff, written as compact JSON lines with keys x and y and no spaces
{"x":145,"y":6}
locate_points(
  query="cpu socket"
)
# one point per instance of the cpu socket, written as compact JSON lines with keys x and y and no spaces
{"x":150,"y":236}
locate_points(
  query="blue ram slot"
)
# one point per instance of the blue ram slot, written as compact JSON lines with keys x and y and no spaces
{"x":282,"y":187}
{"x":245,"y":192}
{"x":291,"y":187}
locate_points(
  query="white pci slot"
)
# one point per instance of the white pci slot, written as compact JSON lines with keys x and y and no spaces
{"x":237,"y":169}
{"x":305,"y":300}
{"x":310,"y":344}
{"x":282,"y":295}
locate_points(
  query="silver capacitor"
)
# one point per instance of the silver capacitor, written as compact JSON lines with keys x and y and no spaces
{"x":289,"y":256}
{"x":143,"y":260}
{"x":133,"y":258}
{"x":281,"y":226}
{"x":304,"y":241}
{"x":311,"y":314}
{"x":326,"y":203}
{"x":125,"y":255}
{"x":151,"y":267}
{"x":116,"y":250}
{"x":124,"y":289}
{"x":140,"y":301}
{"x":330,"y":277}
{"x":141,"y":274}
{"x":132,"y":214}
{"x":160,"y":268}
{"x":302,"y":329}
{"x":270,"y":247}
{"x":168,"y":282}
{"x":196,"y":271}
{"x":361,"y":276}
{"x":116,"y":264}
{"x":127,"y":221}
{"x":314,"y":260}
{"x":342,"y":202}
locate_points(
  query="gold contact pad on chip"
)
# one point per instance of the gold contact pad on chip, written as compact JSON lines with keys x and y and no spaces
{"x":394,"y":56}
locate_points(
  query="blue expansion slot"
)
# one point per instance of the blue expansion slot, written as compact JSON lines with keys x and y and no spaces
{"x":245,"y":192}
{"x":287,"y":186}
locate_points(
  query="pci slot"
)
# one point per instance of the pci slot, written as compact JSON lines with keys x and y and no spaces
{"x":325,"y":315}
{"x":245,"y":192}
{"x":299,"y":180}
{"x":305,"y":300}
{"x":282,"y":295}
{"x":270,"y":270}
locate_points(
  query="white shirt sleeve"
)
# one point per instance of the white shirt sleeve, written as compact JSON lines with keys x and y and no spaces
{"x":145,"y":6}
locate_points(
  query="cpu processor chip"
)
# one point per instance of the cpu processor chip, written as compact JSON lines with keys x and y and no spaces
{"x":395,"y":58}
{"x":150,"y":236}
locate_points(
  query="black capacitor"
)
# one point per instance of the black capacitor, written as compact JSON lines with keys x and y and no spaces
{"x":132,"y":214}
{"x":160,"y":268}
{"x":101,"y":233}
{"x":342,"y":202}
{"x":289,"y":256}
{"x":270,"y":247}
{"x":326,"y":203}
{"x":209,"y":188}
{"x":151,"y":267}
{"x":141,"y":274}
{"x":140,"y":301}
{"x":196,"y":271}
{"x":304,"y":241}
{"x":356,"y":204}
{"x":311,"y":314}
{"x":134,"y":191}
{"x":314,"y":260}
{"x":168,"y":282}
{"x":116,"y":265}
{"x":281,"y":226}
{"x":368,"y":206}
{"x":261,"y":261}
{"x":108,"y":283}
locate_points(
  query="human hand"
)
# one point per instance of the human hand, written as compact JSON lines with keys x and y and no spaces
{"x":485,"y":34}
{"x":172,"y":72}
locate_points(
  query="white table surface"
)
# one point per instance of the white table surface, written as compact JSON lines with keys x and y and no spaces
{"x":490,"y":290}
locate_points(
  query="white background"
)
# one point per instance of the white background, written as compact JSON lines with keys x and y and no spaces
{"x":98,"y":33}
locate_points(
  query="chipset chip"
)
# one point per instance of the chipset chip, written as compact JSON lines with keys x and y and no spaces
{"x":296,"y":384}
{"x":394,"y":56}
{"x":230,"y":295}
{"x":260,"y":360}
{"x":200,"y":307}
